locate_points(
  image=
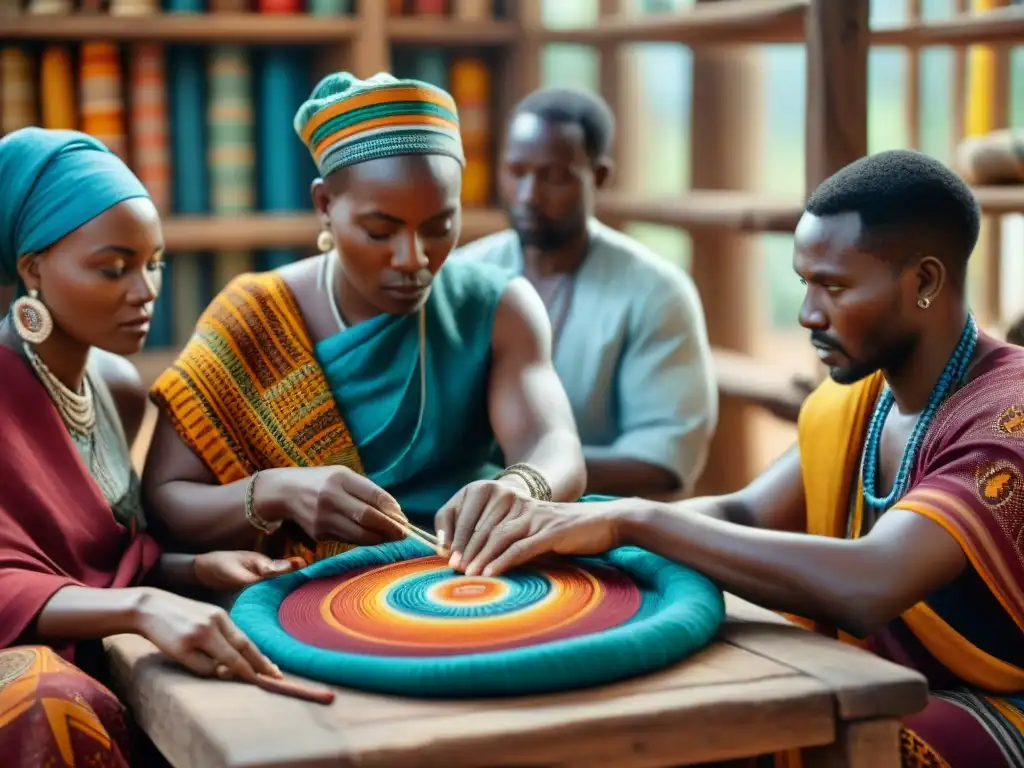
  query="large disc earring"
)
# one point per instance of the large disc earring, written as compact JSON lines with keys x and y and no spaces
{"x":325,"y":241}
{"x":32,"y":320}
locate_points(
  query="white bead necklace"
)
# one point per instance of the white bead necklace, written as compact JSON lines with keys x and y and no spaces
{"x":77,"y":409}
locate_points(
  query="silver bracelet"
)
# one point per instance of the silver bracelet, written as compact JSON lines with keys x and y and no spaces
{"x":254,"y":519}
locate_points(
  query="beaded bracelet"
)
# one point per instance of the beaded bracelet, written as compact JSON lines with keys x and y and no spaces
{"x":254,"y":519}
{"x":535,"y":482}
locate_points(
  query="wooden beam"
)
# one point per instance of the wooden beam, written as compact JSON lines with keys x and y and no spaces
{"x":723,"y":22}
{"x":912,"y":82}
{"x":415,"y":30}
{"x":715,"y":210}
{"x":724,"y":125}
{"x":286,"y":230}
{"x":703,"y":209}
{"x":837,"y":87}
{"x":1002,"y":25}
{"x":371,"y":50}
{"x":248,"y":28}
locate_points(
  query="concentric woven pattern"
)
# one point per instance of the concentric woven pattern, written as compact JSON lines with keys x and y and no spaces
{"x":421,"y":608}
{"x":396,"y":619}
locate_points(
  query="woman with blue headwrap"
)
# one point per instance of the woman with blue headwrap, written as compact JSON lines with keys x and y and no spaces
{"x":82,"y":242}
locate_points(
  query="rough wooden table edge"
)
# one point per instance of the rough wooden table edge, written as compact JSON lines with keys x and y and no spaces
{"x":797,"y":702}
{"x":880,"y":689}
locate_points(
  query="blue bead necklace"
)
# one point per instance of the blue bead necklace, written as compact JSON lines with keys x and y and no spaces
{"x":953,"y":373}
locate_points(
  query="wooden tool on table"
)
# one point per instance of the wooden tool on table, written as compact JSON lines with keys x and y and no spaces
{"x":414,"y":532}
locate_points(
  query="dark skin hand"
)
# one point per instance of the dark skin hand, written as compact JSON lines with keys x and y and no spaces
{"x":548,"y":183}
{"x":99,"y":284}
{"x":394,"y":223}
{"x":863,"y":315}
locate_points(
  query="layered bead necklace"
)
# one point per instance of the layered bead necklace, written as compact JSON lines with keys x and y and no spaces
{"x":951,"y":377}
{"x":77,"y":409}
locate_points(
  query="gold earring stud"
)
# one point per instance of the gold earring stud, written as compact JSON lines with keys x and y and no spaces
{"x":32,"y":320}
{"x":325,"y":241}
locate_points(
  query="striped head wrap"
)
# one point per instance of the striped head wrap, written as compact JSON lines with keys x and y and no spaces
{"x":347,"y":121}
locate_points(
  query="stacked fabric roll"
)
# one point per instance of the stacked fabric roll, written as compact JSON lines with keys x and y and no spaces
{"x":231,"y":150}
{"x":471,"y":89}
{"x":17,"y":94}
{"x":102,"y":100}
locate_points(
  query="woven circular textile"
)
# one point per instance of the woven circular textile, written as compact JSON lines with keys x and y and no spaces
{"x":395,"y":619}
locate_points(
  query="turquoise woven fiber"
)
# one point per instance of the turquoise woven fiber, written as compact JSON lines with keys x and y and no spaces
{"x":680,"y":612}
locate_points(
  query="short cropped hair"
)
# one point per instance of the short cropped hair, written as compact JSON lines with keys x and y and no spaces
{"x":573,"y":106}
{"x":903,"y":196}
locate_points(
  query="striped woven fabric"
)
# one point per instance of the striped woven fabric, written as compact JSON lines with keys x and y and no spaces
{"x":471,"y":87}
{"x":102,"y":100}
{"x":347,"y":120}
{"x":428,"y":7}
{"x":231,"y":146}
{"x":472,"y":10}
{"x":280,"y":6}
{"x":133,"y":7}
{"x":330,"y":7}
{"x":49,"y":7}
{"x":17,"y":91}
{"x":150,"y":154}
{"x":57,"y":89}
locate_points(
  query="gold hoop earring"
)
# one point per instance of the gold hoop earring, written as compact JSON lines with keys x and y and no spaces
{"x":325,"y":241}
{"x":32,"y":320}
{"x":924,"y":302}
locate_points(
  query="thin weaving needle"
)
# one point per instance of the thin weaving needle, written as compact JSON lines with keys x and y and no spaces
{"x":421,"y":535}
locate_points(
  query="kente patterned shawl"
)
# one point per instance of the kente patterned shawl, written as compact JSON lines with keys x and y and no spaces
{"x":248,"y":394}
{"x":967,"y":638}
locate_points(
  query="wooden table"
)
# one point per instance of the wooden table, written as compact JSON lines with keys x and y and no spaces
{"x":764,"y":686}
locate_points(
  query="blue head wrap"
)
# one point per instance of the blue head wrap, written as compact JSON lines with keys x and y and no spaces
{"x":51,"y":183}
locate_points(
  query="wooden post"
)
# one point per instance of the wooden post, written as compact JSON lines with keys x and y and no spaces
{"x":987,"y":110}
{"x":613,"y":83}
{"x":912,"y":92}
{"x":371,"y":49}
{"x":837,"y":86}
{"x":525,"y":61}
{"x":723,"y":155}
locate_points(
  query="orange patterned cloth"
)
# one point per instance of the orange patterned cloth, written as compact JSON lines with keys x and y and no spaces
{"x":54,"y":715}
{"x":102,"y":99}
{"x":248,"y":394}
{"x":150,"y":151}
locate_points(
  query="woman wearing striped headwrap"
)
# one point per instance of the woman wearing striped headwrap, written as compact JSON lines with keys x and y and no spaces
{"x":375,"y":379}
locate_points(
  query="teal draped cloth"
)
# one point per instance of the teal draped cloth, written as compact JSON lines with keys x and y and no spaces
{"x":373,"y":372}
{"x":53,"y":183}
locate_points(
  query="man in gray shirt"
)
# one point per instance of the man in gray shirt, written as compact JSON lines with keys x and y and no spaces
{"x":630,"y":341}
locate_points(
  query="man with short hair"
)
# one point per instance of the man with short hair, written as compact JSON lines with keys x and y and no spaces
{"x":630,"y":341}
{"x":899,"y":515}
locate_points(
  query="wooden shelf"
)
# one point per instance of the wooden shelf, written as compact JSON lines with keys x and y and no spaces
{"x":720,"y":210}
{"x":997,"y":200}
{"x":248,"y":28}
{"x":444,"y":31}
{"x":735,"y":211}
{"x":749,"y":212}
{"x":183,"y":234}
{"x":1002,"y":25}
{"x":725,"y":22}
